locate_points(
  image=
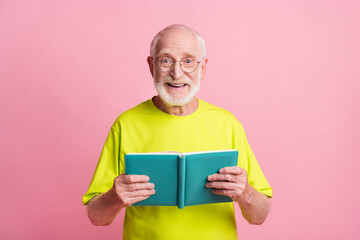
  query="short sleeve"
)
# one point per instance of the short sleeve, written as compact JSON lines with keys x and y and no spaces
{"x":107,"y":168}
{"x":247,"y":160}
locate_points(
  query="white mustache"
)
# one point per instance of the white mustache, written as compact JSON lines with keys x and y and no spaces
{"x":184,"y":80}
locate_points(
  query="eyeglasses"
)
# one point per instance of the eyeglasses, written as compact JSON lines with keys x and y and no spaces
{"x":187,"y":64}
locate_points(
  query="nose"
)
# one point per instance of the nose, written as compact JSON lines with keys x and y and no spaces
{"x":176,"y":72}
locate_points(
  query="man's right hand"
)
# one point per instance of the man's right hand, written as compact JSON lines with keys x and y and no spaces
{"x":132,"y":188}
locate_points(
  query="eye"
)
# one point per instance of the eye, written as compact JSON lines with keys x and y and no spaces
{"x":166,"y":61}
{"x":188,"y":61}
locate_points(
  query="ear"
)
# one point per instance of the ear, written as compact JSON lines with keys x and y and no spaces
{"x":203,"y":68}
{"x":151,"y":65}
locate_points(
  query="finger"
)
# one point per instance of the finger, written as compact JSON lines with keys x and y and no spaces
{"x":223,"y":177}
{"x":139,"y":186}
{"x":225,"y":185}
{"x":229,"y":193}
{"x":131,"y":201}
{"x":236,"y":170}
{"x":127,"y":179}
{"x":141,"y":193}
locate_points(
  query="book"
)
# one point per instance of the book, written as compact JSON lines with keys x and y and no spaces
{"x":180,"y":178}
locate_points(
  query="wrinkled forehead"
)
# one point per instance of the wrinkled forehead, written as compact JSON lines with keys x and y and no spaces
{"x":178,"y":43}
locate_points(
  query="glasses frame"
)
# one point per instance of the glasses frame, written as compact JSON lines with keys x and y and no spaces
{"x":175,"y":61}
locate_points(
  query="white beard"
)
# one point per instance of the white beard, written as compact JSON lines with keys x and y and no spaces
{"x":173,"y":101}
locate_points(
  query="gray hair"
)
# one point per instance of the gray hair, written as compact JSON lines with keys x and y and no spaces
{"x":180,"y":26}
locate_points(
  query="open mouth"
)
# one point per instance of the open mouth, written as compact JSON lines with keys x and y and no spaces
{"x":176,"y":85}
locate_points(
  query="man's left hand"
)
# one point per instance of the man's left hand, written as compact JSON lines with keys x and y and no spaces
{"x":230,"y":181}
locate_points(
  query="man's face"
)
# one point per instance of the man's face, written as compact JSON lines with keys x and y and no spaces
{"x":176,"y":87}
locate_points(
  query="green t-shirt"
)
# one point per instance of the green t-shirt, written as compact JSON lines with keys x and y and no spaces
{"x":145,"y":128}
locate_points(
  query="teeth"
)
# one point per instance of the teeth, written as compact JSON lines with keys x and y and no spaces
{"x":177,"y":85}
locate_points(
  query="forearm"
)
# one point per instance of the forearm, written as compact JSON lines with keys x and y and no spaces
{"x":103,"y":209}
{"x":254,"y":205}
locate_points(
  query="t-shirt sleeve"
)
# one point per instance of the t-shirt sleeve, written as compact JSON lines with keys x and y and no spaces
{"x":107,"y":168}
{"x":247,"y":160}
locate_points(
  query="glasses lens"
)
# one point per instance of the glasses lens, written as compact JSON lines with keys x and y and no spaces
{"x":165,"y":64}
{"x":188,"y":64}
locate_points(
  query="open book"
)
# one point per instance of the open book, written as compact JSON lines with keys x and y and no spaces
{"x":180,"y":178}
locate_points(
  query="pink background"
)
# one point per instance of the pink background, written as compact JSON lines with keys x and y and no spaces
{"x":288,"y":70}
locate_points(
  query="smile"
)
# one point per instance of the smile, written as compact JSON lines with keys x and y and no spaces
{"x":177,"y":85}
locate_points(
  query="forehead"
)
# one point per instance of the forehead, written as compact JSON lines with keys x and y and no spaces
{"x":177,"y":43}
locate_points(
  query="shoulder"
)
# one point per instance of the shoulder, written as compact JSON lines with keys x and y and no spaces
{"x":132,"y":114}
{"x":210,"y":109}
{"x":142,"y":108}
{"x":218,"y":115}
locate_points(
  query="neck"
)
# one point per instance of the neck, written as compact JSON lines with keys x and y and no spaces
{"x":184,"y":110}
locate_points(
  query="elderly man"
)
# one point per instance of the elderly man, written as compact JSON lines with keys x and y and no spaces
{"x":176,"y":120}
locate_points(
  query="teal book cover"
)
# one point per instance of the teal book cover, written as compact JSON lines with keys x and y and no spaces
{"x":180,"y":178}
